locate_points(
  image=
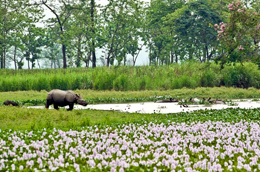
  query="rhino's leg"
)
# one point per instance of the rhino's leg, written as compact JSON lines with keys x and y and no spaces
{"x":71,"y":106}
{"x":56,"y":106}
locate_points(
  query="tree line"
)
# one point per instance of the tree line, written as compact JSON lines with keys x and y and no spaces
{"x":172,"y":30}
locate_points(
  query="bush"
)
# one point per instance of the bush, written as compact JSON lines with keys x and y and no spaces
{"x":210,"y":78}
{"x":241,"y":75}
{"x":104,"y":80}
{"x":41,"y":84}
{"x":121,"y":83}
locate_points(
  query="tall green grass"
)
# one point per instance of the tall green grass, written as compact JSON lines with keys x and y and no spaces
{"x":126,"y":78}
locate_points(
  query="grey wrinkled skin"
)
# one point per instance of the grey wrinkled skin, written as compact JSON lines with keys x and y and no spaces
{"x":63,"y":98}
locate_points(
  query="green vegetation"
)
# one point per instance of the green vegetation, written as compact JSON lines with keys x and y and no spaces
{"x":175,"y":76}
{"x":172,"y":31}
{"x":36,"y":119}
{"x":95,"y":97}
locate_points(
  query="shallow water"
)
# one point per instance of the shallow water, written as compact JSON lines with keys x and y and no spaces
{"x":151,"y":107}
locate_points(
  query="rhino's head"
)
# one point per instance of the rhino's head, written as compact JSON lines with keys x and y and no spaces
{"x":80,"y":100}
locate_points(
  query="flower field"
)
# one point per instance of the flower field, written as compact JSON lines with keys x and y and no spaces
{"x":146,"y":146}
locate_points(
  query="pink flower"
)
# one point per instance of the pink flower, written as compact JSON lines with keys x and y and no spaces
{"x":230,"y":6}
{"x":240,"y":47}
{"x":223,"y":26}
{"x":238,"y":3}
{"x":258,"y":26}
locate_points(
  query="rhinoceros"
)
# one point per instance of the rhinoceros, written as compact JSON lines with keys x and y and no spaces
{"x":63,"y":98}
{"x":9,"y":102}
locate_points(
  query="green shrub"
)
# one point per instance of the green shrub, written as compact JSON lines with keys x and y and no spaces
{"x":210,"y":78}
{"x":41,"y":84}
{"x":186,"y":81}
{"x":104,"y":80}
{"x":121,"y":83}
{"x":25,"y":84}
{"x":176,"y":84}
{"x":86,"y":82}
{"x":241,"y":75}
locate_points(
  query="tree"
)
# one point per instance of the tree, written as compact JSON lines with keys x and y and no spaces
{"x":121,"y":23}
{"x":162,"y":40}
{"x":137,"y":32}
{"x":84,"y":27}
{"x":193,"y":25}
{"x":62,"y":9}
{"x":15,"y":52}
{"x":33,"y":41}
{"x":16,"y":16}
{"x":239,"y":37}
{"x":93,"y":30}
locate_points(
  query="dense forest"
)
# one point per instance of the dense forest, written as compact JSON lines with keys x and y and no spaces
{"x":173,"y":31}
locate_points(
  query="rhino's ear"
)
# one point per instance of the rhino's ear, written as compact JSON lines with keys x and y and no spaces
{"x":78,"y":95}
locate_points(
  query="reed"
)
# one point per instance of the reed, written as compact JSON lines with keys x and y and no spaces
{"x":126,"y":78}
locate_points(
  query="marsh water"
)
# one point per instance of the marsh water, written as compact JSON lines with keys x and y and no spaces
{"x":151,"y":107}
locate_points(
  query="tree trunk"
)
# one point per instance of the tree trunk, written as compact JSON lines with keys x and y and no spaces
{"x":4,"y":54}
{"x":135,"y":58}
{"x":4,"y":37}
{"x":108,"y":60}
{"x":124,"y":59}
{"x":32,"y":60}
{"x":28,"y":62}
{"x":176,"y":58}
{"x":150,"y":58}
{"x":52,"y":64}
{"x":64,"y":56}
{"x":86,"y":60}
{"x":171,"y":61}
{"x":93,"y":32}
{"x":78,"y":52}
{"x":1,"y":61}
{"x":15,"y":67}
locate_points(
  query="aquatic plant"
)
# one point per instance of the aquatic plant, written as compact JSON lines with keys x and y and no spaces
{"x":194,"y":146}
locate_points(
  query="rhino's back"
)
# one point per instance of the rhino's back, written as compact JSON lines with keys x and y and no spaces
{"x":60,"y":97}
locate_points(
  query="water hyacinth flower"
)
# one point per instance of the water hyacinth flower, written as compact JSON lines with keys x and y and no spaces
{"x":195,"y":146}
{"x":21,"y":167}
{"x":13,"y":167}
